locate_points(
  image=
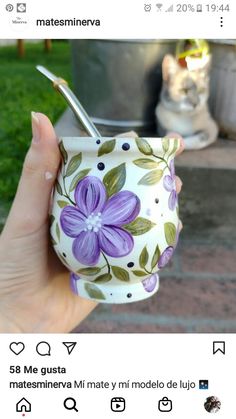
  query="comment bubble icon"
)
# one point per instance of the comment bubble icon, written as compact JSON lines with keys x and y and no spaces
{"x":43,"y":348}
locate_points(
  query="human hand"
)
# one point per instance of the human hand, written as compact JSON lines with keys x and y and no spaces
{"x":35,"y":295}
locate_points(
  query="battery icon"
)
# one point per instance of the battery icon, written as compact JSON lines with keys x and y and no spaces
{"x":199,"y":8}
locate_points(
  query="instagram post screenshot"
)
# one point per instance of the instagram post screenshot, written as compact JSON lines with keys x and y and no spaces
{"x":117,"y":209}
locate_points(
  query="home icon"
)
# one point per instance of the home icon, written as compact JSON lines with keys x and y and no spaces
{"x":23,"y":406}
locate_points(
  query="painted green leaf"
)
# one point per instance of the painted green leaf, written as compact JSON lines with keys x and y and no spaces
{"x":62,"y":204}
{"x":139,"y":226}
{"x":58,"y":231}
{"x":114,"y":180}
{"x":170,"y":233}
{"x":77,"y":178}
{"x":146,"y":163}
{"x":143,"y":146}
{"x":176,"y":146}
{"x":156,"y":256}
{"x":143,"y":258}
{"x":102,"y":279}
{"x":53,"y":241}
{"x":89,"y":271}
{"x":139,"y":273}
{"x":106,"y":147}
{"x":74,"y":164}
{"x":165,"y":144}
{"x":63,"y":152}
{"x":51,"y":219}
{"x":120,"y":273}
{"x":151,"y":178}
{"x":58,"y":188}
{"x":94,"y":292}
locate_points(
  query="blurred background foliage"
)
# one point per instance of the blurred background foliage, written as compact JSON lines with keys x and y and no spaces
{"x":22,"y":90}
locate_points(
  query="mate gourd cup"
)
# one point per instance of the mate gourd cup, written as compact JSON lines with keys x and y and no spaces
{"x":114,"y":220}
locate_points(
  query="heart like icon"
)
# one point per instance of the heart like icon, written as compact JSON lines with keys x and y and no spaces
{"x":17,"y":347}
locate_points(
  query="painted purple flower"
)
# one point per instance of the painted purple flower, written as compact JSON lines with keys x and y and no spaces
{"x":169,"y":185}
{"x":168,"y":253}
{"x":73,"y":282}
{"x":165,"y":257}
{"x":149,"y":283}
{"x":96,"y":222}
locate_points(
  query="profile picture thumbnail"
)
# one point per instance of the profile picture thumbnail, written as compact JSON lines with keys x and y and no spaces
{"x":212,"y":404}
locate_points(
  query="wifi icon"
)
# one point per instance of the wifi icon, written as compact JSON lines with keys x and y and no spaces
{"x":159,"y":6}
{"x":170,"y":9}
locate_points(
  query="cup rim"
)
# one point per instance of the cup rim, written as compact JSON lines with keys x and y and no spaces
{"x":70,"y":143}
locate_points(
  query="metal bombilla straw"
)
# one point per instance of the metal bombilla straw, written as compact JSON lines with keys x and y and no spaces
{"x":62,"y":86}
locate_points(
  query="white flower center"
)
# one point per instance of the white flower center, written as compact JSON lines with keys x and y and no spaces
{"x":94,"y":222}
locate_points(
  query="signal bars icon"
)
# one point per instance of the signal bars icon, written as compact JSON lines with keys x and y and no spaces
{"x":170,"y":9}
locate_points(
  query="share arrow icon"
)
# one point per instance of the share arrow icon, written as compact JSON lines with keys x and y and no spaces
{"x":70,"y":346}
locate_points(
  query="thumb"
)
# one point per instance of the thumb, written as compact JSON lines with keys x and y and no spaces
{"x":30,"y":208}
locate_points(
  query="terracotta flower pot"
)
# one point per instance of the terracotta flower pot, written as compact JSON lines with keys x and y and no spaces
{"x":114,"y":220}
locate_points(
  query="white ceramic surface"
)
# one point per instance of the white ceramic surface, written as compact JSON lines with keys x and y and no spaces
{"x":114,"y":220}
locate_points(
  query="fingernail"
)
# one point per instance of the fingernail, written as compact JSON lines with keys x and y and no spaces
{"x":35,"y":127}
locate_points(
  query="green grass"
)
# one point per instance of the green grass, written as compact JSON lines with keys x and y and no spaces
{"x":22,"y":90}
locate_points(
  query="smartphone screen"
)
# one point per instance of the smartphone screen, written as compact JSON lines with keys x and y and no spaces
{"x":117,"y":209}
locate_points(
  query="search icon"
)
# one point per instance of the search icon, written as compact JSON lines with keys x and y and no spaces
{"x":70,"y":404}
